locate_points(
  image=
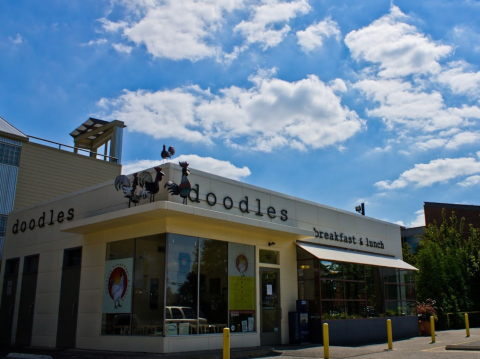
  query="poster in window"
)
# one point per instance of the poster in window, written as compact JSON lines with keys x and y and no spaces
{"x":117,"y":291}
{"x":241,"y":272}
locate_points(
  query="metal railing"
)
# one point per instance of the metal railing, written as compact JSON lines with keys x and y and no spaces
{"x":105,"y":157}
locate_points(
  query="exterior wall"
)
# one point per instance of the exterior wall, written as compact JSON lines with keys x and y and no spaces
{"x":47,"y":172}
{"x":433,"y":213}
{"x":101,"y":216}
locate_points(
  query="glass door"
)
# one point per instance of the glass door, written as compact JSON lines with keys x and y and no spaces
{"x":271,"y":313}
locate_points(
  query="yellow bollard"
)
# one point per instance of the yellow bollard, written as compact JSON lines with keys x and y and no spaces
{"x":389,"y":334}
{"x":432,"y":328}
{"x":226,"y":343}
{"x":326,"y":342}
{"x":467,"y":325}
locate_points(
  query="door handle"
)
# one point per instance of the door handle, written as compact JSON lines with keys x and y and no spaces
{"x":73,"y":308}
{"x":30,"y":309}
{"x":11,"y":309}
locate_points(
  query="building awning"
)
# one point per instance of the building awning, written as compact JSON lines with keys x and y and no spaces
{"x":339,"y":255}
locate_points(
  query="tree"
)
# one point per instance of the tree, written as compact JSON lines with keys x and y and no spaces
{"x":448,"y":266}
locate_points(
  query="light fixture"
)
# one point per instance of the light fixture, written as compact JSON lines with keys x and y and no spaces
{"x":360,"y":209}
{"x":271,"y":244}
{"x":304,"y":266}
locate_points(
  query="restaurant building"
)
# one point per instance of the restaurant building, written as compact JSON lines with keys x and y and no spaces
{"x":96,"y":270}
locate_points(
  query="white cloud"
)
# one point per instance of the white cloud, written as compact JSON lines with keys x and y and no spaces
{"x":174,"y":29}
{"x":17,"y":39}
{"x":463,"y":138}
{"x":110,"y":26}
{"x":264,"y":28}
{"x":470,"y":181}
{"x":431,"y":144}
{"x":313,"y":36}
{"x":205,"y":164}
{"x":460,"y":80}
{"x":338,"y":85}
{"x":397,"y":47}
{"x":419,"y":221}
{"x":271,"y":114}
{"x":436,"y":171}
{"x":401,"y":104}
{"x":122,"y":48}
{"x":96,"y":42}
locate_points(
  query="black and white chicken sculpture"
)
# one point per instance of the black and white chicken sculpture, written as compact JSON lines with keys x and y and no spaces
{"x":150,"y":186}
{"x":129,"y":189}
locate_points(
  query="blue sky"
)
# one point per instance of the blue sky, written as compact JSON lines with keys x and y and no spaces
{"x":338,"y":102}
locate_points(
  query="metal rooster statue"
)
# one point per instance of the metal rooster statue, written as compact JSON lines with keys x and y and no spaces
{"x":151,"y":187}
{"x":183,"y":189}
{"x":167,"y":153}
{"x":129,"y":189}
{"x":144,"y":180}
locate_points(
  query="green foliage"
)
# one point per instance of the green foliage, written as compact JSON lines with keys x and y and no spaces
{"x":449,"y":263}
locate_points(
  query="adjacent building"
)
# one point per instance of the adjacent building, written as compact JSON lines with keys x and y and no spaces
{"x":434,"y":215}
{"x":159,"y":273}
{"x":33,"y":169}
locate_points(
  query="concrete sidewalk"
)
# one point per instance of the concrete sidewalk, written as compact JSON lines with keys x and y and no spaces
{"x":419,"y":347}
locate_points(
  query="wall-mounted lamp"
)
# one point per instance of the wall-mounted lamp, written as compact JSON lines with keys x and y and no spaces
{"x":305,"y":266}
{"x":271,"y":244}
{"x":360,"y":209}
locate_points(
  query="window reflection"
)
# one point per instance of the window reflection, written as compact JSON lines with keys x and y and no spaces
{"x":331,"y":269}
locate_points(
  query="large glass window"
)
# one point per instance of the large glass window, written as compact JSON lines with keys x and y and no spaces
{"x":341,"y":290}
{"x":178,"y":285}
{"x":148,"y":284}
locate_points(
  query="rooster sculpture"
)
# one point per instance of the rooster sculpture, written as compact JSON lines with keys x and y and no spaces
{"x":182,"y":189}
{"x":150,"y":187}
{"x":129,"y":189}
{"x":167,"y":153}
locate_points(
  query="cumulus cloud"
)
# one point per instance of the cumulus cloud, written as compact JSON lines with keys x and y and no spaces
{"x":436,"y":171}
{"x":402,"y":104}
{"x":263,"y":27}
{"x":174,"y":29}
{"x":313,"y":36}
{"x":205,"y":164}
{"x":122,"y":48}
{"x":398,"y":48}
{"x":460,"y":80}
{"x":419,"y":221}
{"x":470,"y":181}
{"x":271,"y":114}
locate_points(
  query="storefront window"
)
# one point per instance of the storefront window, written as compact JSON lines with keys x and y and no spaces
{"x":149,"y":285}
{"x":182,"y":285}
{"x":332,"y":289}
{"x":269,"y":257}
{"x":117,"y":293}
{"x":355,"y":290}
{"x":349,"y":290}
{"x":241,"y":278}
{"x":213,"y":285}
{"x":333,"y":309}
{"x":331,"y":270}
{"x":375,"y":292}
{"x":355,"y":309}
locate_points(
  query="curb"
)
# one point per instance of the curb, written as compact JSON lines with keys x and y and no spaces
{"x":28,"y":356}
{"x":462,"y":347}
